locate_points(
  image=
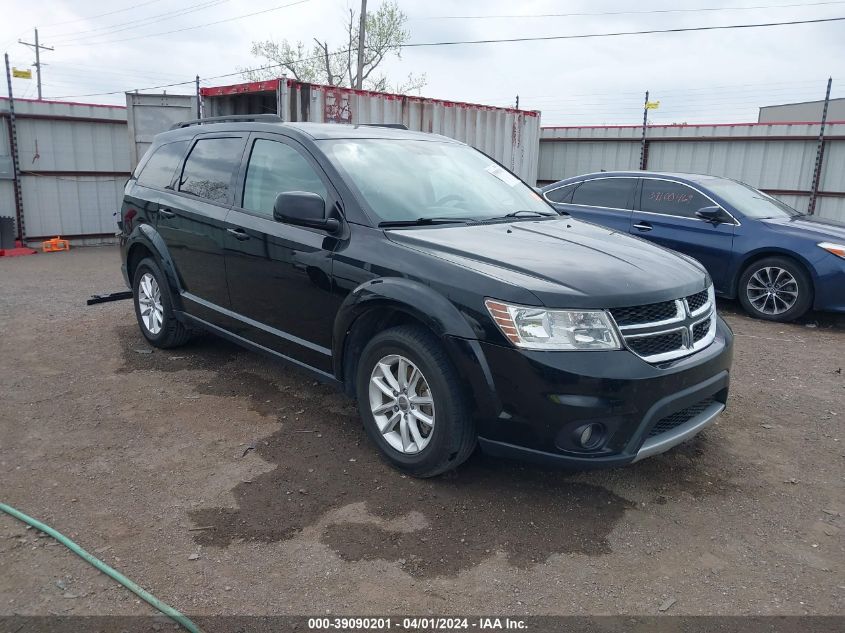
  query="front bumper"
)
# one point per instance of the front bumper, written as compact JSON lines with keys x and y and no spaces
{"x":543,"y":398}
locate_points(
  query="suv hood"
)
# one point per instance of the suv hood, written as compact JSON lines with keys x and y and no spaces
{"x":564,"y":262}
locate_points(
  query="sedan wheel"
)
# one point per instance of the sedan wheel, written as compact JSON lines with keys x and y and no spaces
{"x":772,"y":290}
{"x":775,"y":289}
{"x":402,"y":404}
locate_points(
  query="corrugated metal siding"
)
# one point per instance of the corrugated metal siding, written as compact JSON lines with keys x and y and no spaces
{"x":778,"y":158}
{"x":62,"y":147}
{"x":510,"y":136}
{"x":150,"y":114}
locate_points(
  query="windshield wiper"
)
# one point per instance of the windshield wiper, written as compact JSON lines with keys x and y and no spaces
{"x":522,"y":213}
{"x":424,"y":222}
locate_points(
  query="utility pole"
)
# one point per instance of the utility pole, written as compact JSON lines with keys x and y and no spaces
{"x":362,"y":32}
{"x":37,"y":46}
{"x":643,"y":147}
{"x":817,"y":171}
{"x":16,"y":166}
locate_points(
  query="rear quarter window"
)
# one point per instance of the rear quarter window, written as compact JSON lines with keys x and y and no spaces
{"x":159,"y":170}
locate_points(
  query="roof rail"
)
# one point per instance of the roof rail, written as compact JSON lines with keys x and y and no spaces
{"x":250,"y":118}
{"x":395,"y":126}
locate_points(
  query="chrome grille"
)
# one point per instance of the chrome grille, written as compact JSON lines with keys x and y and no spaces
{"x":658,"y":344}
{"x":645,"y":314}
{"x":658,"y":332}
{"x":697,"y":301}
{"x":676,"y":419}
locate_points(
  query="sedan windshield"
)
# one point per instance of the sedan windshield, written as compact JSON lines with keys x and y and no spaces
{"x":411,"y":181}
{"x":750,"y":201}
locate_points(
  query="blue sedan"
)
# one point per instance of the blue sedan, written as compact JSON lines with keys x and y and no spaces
{"x":778,"y":262}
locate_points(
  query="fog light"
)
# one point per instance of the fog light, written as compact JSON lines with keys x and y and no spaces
{"x":589,"y":435}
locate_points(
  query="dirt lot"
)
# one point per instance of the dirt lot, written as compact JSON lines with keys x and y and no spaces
{"x":226,"y":483}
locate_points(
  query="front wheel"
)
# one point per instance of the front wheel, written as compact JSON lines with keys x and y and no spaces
{"x":412,"y":404}
{"x":775,"y":289}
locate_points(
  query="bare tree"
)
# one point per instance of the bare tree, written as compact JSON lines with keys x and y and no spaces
{"x":320,"y":63}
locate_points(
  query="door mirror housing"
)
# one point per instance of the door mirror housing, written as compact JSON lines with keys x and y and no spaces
{"x":303,"y":208}
{"x":714,"y":215}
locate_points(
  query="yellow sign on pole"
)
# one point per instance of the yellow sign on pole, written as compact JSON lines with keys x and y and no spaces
{"x":652,"y":105}
{"x":21,"y":74}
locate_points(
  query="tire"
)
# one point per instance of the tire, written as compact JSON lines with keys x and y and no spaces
{"x":164,"y":332}
{"x":451,"y":437}
{"x":791,"y":289}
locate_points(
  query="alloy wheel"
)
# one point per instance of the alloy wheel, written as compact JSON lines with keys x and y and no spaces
{"x":772,"y":290}
{"x":402,"y":404}
{"x":149,"y":303}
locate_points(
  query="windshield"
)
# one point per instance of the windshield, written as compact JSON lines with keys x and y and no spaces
{"x":750,"y":201}
{"x":409,"y":180}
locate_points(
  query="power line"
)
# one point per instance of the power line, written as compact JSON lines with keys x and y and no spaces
{"x":597,"y":13}
{"x":189,"y":28}
{"x":102,"y":15}
{"x":76,"y":36}
{"x":491,"y":41}
{"x":65,"y":38}
{"x":580,"y":36}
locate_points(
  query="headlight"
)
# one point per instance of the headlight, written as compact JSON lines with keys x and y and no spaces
{"x":836,"y":249}
{"x":539,"y":328}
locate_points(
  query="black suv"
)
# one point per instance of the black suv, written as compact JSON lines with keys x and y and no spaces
{"x":431,"y":284}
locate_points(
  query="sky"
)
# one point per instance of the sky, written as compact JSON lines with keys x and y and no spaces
{"x":702,"y":77}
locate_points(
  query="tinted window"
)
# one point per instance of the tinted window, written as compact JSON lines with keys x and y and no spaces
{"x":561,"y":194}
{"x":275,"y":168}
{"x":671,"y":198}
{"x":210,"y":168}
{"x":605,"y":192}
{"x":751,"y":202}
{"x":158,"y":172}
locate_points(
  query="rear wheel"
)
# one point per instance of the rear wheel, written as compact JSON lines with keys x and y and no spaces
{"x":775,"y":289}
{"x":412,"y":404}
{"x":154,"y":307}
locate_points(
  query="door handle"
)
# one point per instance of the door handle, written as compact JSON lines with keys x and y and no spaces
{"x":238,"y":234}
{"x":643,"y":226}
{"x":166,"y":213}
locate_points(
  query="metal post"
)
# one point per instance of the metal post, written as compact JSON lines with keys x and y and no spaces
{"x":13,"y":148}
{"x":199,"y":102}
{"x":362,"y":31}
{"x":643,"y":147}
{"x":37,"y":46}
{"x":38,"y":63}
{"x":817,"y":171}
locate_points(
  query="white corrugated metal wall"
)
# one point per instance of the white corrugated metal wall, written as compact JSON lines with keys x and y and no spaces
{"x":74,"y":160}
{"x":777,"y":158}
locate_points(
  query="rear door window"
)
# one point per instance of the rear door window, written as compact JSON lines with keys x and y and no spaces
{"x":159,"y":170}
{"x":211,"y":168}
{"x":612,"y":193}
{"x":671,"y":198}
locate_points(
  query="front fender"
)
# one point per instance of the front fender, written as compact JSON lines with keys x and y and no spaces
{"x":434,"y":310}
{"x":145,"y":234}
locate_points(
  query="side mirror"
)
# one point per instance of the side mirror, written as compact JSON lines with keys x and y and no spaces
{"x":303,"y":208}
{"x":710,"y":214}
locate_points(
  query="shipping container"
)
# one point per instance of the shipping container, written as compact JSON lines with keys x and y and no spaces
{"x":74,"y":160}
{"x":777,"y":158}
{"x":510,"y":136}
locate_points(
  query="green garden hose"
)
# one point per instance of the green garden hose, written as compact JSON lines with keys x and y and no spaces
{"x":165,"y":608}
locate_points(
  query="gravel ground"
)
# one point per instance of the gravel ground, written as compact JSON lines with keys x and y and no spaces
{"x":226,"y":483}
